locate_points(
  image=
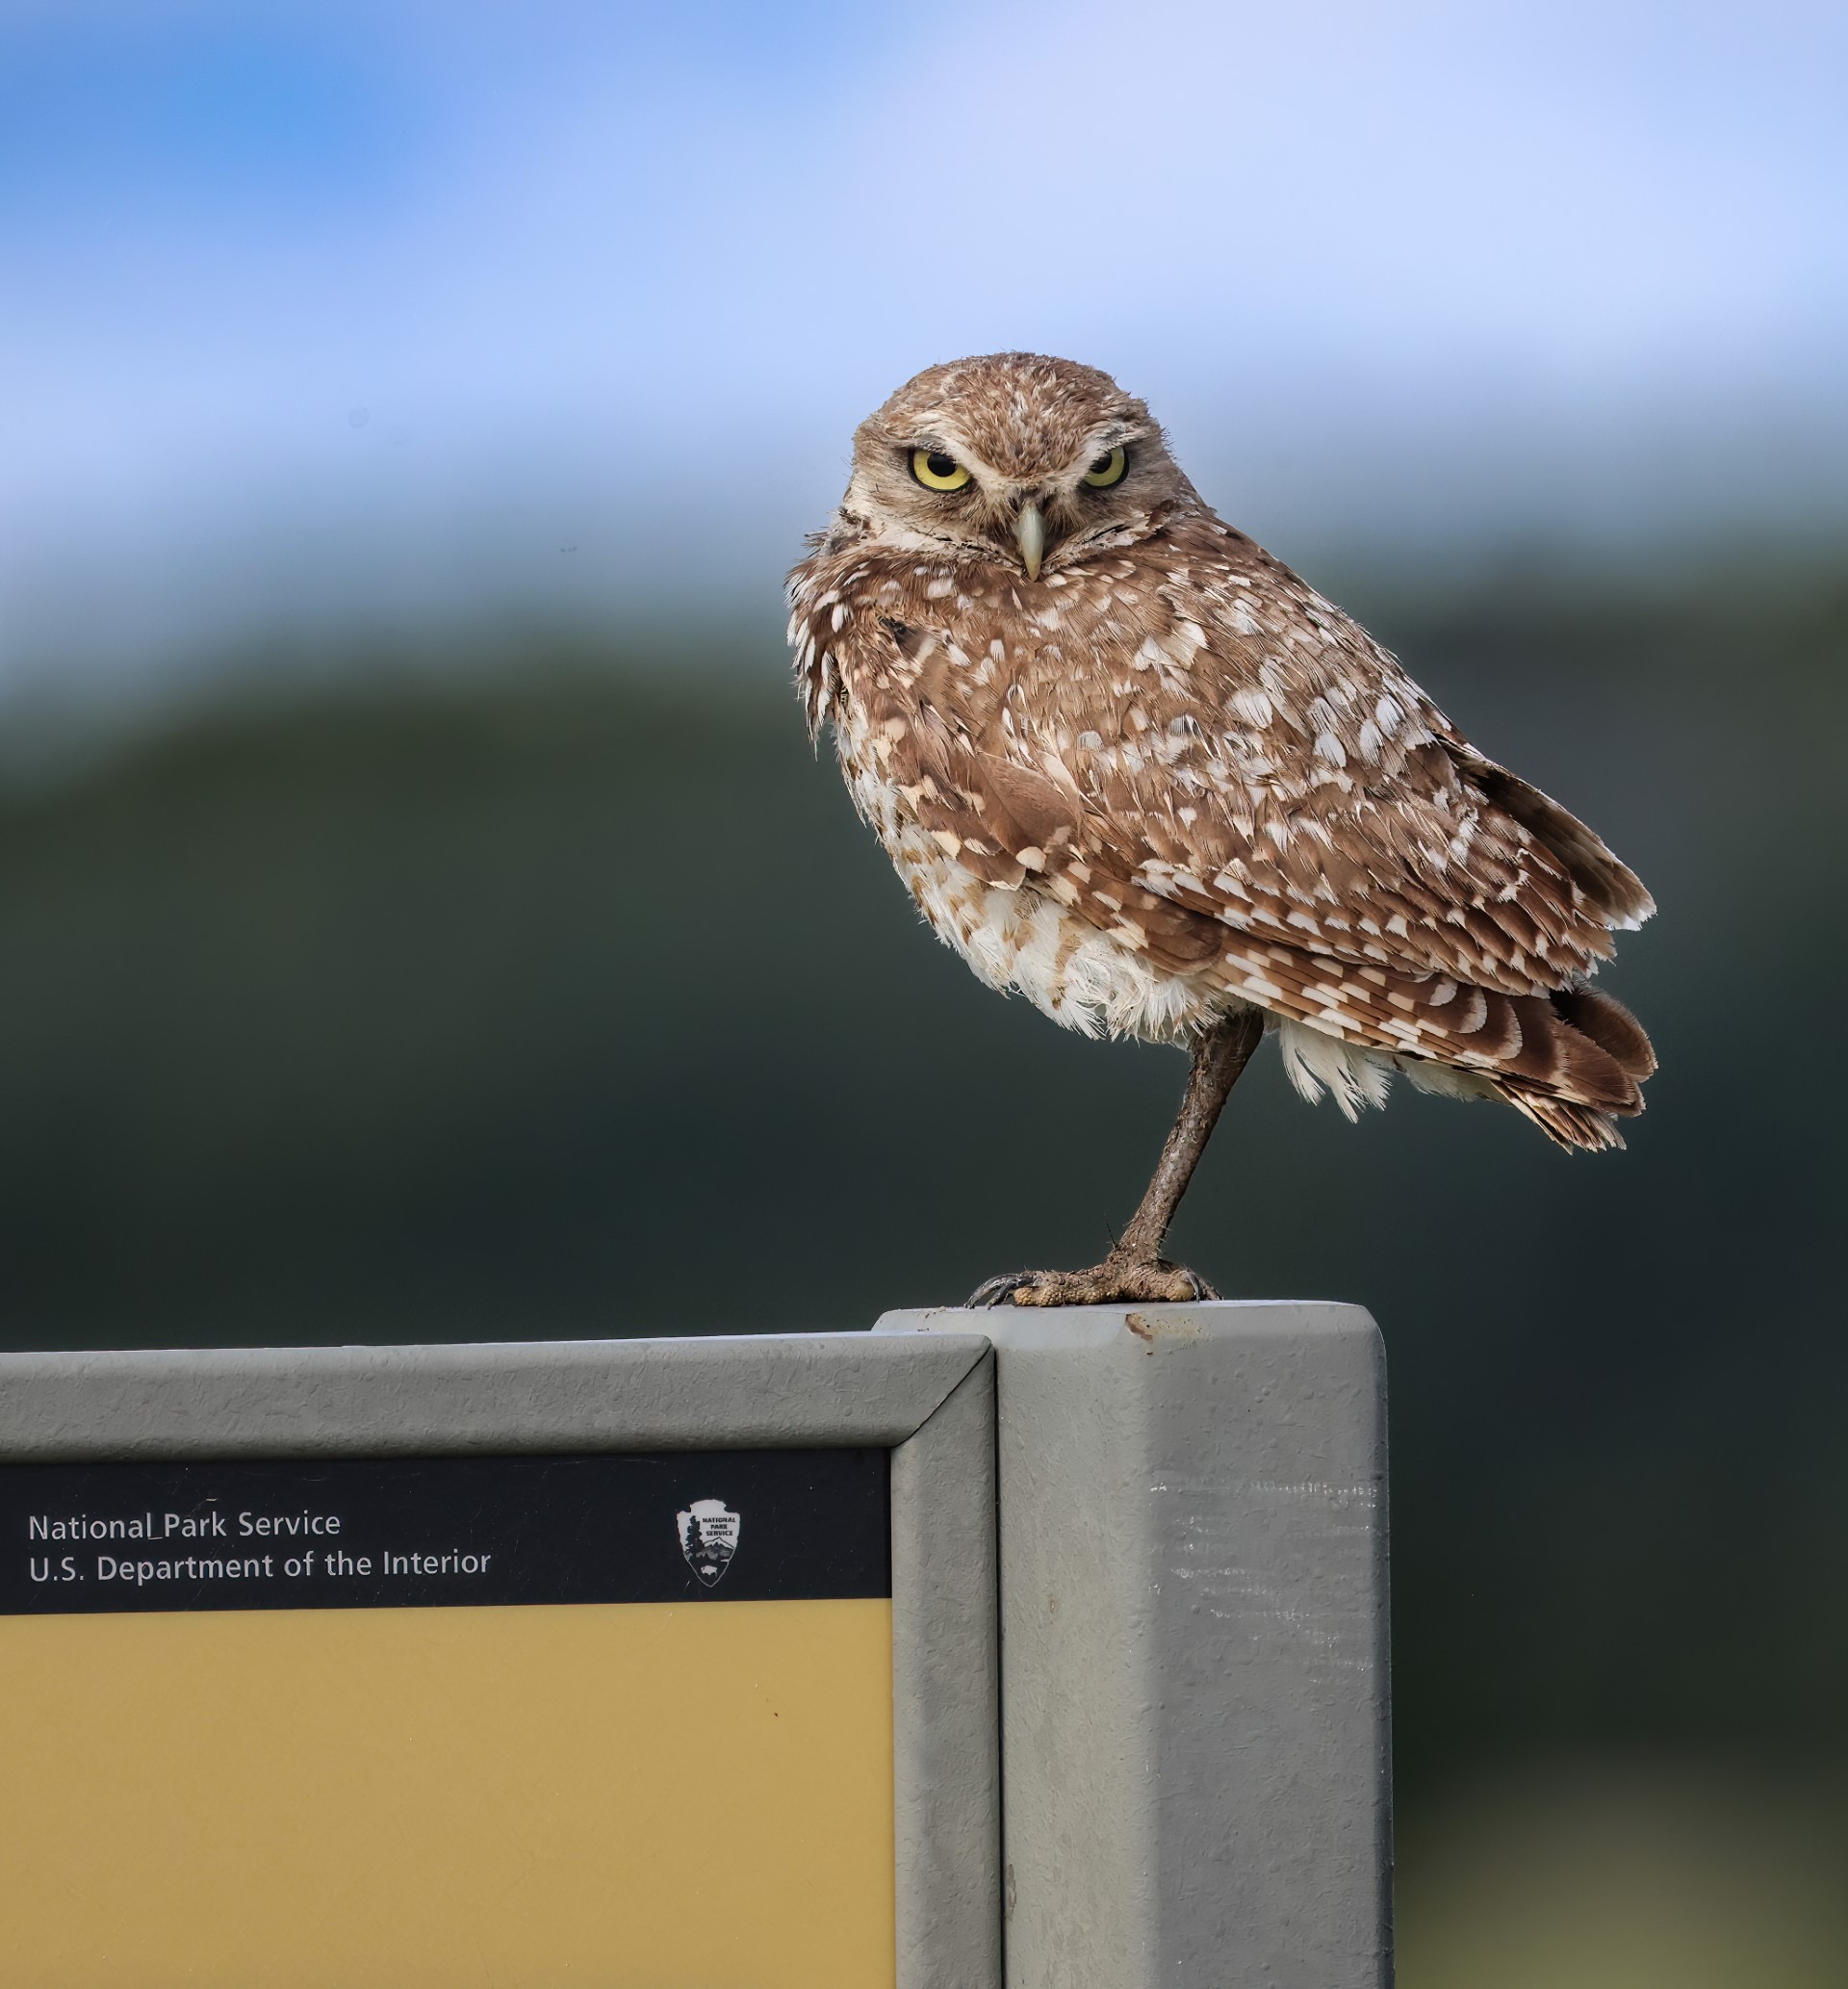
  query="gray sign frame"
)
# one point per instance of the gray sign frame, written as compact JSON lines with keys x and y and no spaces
{"x":928,"y":1398}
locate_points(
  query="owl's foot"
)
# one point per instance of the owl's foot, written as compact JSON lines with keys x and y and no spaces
{"x":1135,"y":1272}
{"x":1116,"y":1282}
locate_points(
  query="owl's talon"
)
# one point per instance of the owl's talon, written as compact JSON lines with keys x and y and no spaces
{"x":1116,"y":1282}
{"x":992,"y":1291}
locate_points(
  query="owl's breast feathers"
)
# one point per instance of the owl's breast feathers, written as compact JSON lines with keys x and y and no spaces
{"x":1184,"y":746}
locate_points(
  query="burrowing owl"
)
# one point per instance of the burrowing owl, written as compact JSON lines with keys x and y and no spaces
{"x":1132,"y":767}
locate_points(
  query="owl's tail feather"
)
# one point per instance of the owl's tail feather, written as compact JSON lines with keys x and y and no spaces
{"x":1610,"y":1025}
{"x":1563,"y":1120}
{"x":1570,"y":1059}
{"x":1597,"y":1055}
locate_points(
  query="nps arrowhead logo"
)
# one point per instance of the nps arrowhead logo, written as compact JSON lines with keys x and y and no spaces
{"x":709,"y":1537}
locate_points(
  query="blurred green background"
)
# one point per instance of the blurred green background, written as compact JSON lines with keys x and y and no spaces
{"x":421,"y":915}
{"x":561,"y":993}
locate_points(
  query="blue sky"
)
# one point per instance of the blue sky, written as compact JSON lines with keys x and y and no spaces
{"x":353,"y":315}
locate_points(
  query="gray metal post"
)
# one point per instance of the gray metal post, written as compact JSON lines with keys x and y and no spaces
{"x":1195,"y":1776}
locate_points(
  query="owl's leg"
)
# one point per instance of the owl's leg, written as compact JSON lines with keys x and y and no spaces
{"x":1136,"y":1269}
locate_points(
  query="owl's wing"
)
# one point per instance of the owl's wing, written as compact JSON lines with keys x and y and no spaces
{"x":1366,"y":829}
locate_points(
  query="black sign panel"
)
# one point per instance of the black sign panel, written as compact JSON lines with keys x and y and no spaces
{"x":394,"y":1532}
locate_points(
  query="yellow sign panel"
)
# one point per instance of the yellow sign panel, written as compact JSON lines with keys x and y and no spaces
{"x":619,"y":1794}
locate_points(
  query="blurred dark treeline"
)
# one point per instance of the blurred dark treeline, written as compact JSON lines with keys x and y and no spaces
{"x":562,"y":995}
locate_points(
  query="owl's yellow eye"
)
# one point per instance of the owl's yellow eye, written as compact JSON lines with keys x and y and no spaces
{"x":1108,"y":470}
{"x":936,"y":471}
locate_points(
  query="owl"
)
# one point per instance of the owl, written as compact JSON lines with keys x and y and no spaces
{"x":1133,"y":768}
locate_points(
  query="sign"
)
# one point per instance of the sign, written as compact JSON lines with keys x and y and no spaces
{"x":616,"y":1719}
{"x":401,"y":1533}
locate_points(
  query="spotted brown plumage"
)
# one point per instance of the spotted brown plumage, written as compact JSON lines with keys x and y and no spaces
{"x":1134,"y":767}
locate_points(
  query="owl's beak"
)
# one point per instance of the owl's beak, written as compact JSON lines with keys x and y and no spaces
{"x":1030,"y":529}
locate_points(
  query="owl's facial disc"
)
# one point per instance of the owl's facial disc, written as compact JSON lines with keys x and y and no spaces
{"x":1015,"y":458}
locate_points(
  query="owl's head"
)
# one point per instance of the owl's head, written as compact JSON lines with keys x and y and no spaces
{"x":1014,"y":457}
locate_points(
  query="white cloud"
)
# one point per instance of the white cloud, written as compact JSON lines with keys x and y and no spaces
{"x":1435,"y":268}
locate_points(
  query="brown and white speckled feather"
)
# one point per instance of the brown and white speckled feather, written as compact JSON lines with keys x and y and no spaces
{"x":1166,"y":777}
